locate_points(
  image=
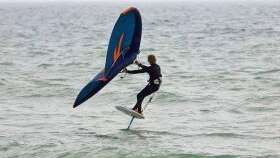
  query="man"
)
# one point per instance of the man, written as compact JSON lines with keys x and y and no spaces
{"x":154,"y":81}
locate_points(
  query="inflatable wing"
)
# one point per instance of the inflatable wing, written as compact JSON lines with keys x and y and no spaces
{"x":122,"y":50}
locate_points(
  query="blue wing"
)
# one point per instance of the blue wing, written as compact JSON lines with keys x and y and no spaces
{"x":122,"y":50}
{"x":126,"y":32}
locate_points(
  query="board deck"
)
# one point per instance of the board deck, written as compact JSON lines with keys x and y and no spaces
{"x":130,"y":112}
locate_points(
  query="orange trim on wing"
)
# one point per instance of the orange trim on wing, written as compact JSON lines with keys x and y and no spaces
{"x":117,"y":51}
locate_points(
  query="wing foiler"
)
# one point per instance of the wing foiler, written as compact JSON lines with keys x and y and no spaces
{"x":122,"y":50}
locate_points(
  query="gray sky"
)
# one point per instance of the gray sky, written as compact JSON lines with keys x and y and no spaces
{"x":112,"y":0}
{"x":11,"y":1}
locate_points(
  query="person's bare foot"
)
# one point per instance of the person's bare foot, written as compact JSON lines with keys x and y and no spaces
{"x":140,"y":112}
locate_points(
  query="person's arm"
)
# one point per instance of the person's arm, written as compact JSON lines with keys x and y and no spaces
{"x":144,"y":67}
{"x":135,"y":71}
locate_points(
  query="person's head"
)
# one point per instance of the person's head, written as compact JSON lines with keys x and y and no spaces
{"x":152,"y":59}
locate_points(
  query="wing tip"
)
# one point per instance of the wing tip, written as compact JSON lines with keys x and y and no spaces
{"x":75,"y":105}
{"x":124,"y":12}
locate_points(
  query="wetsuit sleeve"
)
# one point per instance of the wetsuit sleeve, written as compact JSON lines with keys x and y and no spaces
{"x":144,"y":67}
{"x":135,"y":71}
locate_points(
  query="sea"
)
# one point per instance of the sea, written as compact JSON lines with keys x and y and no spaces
{"x":220,"y":96}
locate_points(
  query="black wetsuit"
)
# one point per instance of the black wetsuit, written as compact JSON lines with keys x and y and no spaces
{"x":154,"y":83}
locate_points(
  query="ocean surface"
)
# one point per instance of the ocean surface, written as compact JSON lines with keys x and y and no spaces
{"x":220,"y":96}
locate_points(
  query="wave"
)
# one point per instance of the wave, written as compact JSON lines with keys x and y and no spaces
{"x":45,"y":65}
{"x":37,"y":95}
{"x":153,"y":132}
{"x":7,"y":63}
{"x":104,"y":136}
{"x":148,"y":50}
{"x":76,"y":63}
{"x":217,"y":134}
{"x":39,"y":53}
{"x":227,"y":135}
{"x":168,"y":97}
{"x":192,"y":156}
{"x":268,"y":71}
{"x":183,"y":135}
{"x":58,"y":79}
{"x":262,"y":108}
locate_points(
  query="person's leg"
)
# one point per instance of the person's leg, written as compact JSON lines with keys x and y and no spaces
{"x":149,"y":89}
{"x":140,"y":98}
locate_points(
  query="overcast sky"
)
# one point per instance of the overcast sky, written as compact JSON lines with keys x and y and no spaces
{"x":131,"y":1}
{"x":126,"y":0}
